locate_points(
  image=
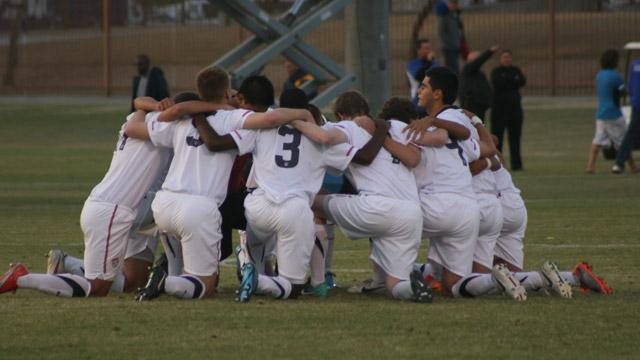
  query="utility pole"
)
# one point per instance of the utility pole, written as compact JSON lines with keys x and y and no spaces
{"x":367,"y":49}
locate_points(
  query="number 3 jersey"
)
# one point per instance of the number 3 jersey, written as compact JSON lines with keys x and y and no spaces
{"x":287,"y":164}
{"x":386,"y":175}
{"x":136,"y":166}
{"x":194,"y":169}
{"x":446,"y":169}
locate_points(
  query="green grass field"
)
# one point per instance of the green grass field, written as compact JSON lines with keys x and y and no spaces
{"x":52,"y":155}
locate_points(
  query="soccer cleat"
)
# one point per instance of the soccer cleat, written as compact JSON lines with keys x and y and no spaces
{"x":557,"y":285}
{"x":321,"y":290}
{"x":155,"y":284}
{"x":55,"y":262}
{"x":509,"y":284}
{"x":330,"y":280}
{"x":435,"y":284}
{"x":9,"y":280}
{"x":422,"y":292}
{"x":368,"y":286}
{"x":589,"y":281}
{"x":248,"y":284}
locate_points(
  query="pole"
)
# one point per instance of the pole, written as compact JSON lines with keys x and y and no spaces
{"x":106,"y":48}
{"x":552,"y":42}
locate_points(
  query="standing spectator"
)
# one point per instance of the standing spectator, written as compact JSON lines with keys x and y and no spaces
{"x":633,"y":132}
{"x":417,"y":67}
{"x":506,"y":110}
{"x":610,"y":124}
{"x":150,"y":81}
{"x":449,"y":32}
{"x":475,"y":92}
{"x":298,"y":77}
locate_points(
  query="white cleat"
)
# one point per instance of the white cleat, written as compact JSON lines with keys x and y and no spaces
{"x":555,"y":283}
{"x":511,"y":286}
{"x":368,"y":286}
{"x":55,"y":262}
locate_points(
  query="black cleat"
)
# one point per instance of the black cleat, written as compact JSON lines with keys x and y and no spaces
{"x":422,"y":292}
{"x":155,"y":285}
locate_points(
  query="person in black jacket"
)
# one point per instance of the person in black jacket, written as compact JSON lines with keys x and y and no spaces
{"x":475,"y":92}
{"x":150,"y":81}
{"x":506,"y":112}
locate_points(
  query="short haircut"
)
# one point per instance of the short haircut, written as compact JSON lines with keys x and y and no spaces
{"x":213,"y":83}
{"x":294,"y":98}
{"x":351,"y":104}
{"x":507,"y":51}
{"x":257,"y":90}
{"x":185,"y":96}
{"x":443,"y":79}
{"x":421,"y":41}
{"x":399,"y":109}
{"x":609,"y":59}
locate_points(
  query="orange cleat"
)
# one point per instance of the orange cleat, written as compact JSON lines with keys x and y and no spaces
{"x":9,"y":280}
{"x":435,"y":284}
{"x":589,"y":281}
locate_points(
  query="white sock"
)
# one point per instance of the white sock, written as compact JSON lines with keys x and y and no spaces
{"x":423,"y":268}
{"x":318,"y":256}
{"x":402,"y":290}
{"x":531,"y":281}
{"x":66,"y":285}
{"x":570,"y":278}
{"x":118,"y":283}
{"x":73,"y":265}
{"x":184,"y":287}
{"x":173,"y":250}
{"x":473,"y":285}
{"x":330,"y":229}
{"x":276,"y":286}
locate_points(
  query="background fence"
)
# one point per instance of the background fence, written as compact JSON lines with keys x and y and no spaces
{"x":58,"y":45}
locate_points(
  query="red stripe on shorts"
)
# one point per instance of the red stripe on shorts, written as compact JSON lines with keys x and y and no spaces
{"x":106,"y":250}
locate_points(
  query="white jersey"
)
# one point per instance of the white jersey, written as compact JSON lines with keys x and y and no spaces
{"x":287,"y":164}
{"x":504,"y":182}
{"x":135,"y":167}
{"x":446,"y":169}
{"x":195,"y":170}
{"x":386,"y":175}
{"x":484,"y":182}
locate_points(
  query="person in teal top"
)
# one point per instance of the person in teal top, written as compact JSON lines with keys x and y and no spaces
{"x":610,"y":124}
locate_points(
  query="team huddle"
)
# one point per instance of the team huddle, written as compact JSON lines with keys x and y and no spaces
{"x":187,"y":170}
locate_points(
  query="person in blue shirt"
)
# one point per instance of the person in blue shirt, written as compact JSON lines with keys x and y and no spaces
{"x":633,"y":132}
{"x":610,"y":124}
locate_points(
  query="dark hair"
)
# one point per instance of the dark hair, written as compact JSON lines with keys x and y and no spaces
{"x":257,"y":90}
{"x":445,"y":80}
{"x":317,"y":114}
{"x":399,"y":109}
{"x":421,"y":41}
{"x":213,"y":82}
{"x":609,"y":59}
{"x":185,"y":96}
{"x":350,"y":104}
{"x":294,"y":98}
{"x":507,"y":51}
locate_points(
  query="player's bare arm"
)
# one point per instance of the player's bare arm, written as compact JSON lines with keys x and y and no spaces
{"x":455,"y":130}
{"x":408,"y":154}
{"x":369,"y":151}
{"x":318,"y":134}
{"x":210,"y":137}
{"x":147,"y":103}
{"x":276,"y":117}
{"x":485,"y":163}
{"x":437,"y":138}
{"x":189,"y":108}
{"x":136,"y":128}
{"x":487,"y":147}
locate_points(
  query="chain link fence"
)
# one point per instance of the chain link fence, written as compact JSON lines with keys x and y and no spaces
{"x":58,"y":46}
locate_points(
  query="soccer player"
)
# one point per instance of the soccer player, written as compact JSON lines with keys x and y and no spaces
{"x":106,"y":221}
{"x":449,"y":206}
{"x":196,"y":184}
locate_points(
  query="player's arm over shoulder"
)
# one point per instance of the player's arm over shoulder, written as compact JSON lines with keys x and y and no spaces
{"x":320,"y":135}
{"x":209,"y":136}
{"x":276,"y":118}
{"x":136,"y":127}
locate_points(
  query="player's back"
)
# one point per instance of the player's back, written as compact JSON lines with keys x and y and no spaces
{"x":135,"y":166}
{"x":386,"y":175}
{"x":484,"y":182}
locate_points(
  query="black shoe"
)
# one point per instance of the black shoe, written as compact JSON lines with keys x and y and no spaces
{"x":155,"y":285}
{"x":422,"y":292}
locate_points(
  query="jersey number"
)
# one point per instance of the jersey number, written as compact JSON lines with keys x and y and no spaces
{"x":454,"y":145}
{"x":292,"y":146}
{"x":124,"y":141}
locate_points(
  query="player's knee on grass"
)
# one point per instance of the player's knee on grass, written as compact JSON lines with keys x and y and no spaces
{"x":448,"y":280}
{"x":513,"y":268}
{"x":136,"y":273}
{"x":210,"y":283}
{"x":100,"y":287}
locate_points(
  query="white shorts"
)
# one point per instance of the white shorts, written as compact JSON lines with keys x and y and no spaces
{"x":510,"y":244}
{"x":490,"y":226}
{"x":195,"y":220}
{"x":106,"y":231}
{"x":451,"y":223}
{"x":143,"y":237}
{"x":393,"y":226}
{"x":291,"y":222}
{"x":610,"y":131}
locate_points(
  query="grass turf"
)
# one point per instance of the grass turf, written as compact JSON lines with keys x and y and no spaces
{"x":52,"y":155}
